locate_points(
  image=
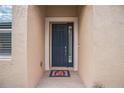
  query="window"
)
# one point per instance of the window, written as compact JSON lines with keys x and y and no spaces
{"x":5,"y":30}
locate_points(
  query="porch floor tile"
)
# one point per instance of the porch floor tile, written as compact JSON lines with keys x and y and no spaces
{"x":60,"y":82}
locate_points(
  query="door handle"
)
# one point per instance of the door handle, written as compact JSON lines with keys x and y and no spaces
{"x":65,"y":50}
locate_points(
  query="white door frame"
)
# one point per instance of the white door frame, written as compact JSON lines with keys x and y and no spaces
{"x":47,"y":38}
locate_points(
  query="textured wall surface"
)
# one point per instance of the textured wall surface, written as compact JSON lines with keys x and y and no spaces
{"x":61,"y":11}
{"x":13,"y":71}
{"x":101,"y":37}
{"x":85,"y":45}
{"x":108,"y":38}
{"x":35,"y":44}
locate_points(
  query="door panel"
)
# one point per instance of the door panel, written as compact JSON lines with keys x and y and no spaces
{"x":61,"y":46}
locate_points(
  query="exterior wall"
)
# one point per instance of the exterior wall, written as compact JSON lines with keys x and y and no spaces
{"x":86,"y":67}
{"x":101,"y":45}
{"x":35,"y":44}
{"x":24,"y":70}
{"x":13,"y":71}
{"x":108,"y":37}
{"x":61,"y":11}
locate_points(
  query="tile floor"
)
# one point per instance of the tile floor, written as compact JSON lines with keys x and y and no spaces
{"x":60,"y":82}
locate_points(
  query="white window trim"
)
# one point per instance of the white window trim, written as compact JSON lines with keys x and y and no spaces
{"x":47,"y":37}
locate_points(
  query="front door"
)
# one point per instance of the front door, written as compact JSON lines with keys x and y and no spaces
{"x":62,"y":45}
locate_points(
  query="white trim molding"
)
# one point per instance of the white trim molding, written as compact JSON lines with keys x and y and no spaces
{"x":48,"y":20}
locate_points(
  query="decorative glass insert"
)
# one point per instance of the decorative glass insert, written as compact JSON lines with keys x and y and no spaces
{"x":5,"y":30}
{"x":70,"y":44}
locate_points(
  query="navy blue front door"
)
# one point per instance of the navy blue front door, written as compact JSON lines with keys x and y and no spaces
{"x":60,"y":43}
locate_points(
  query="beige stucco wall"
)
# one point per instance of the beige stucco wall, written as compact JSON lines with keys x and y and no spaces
{"x":35,"y":43}
{"x":23,"y":69}
{"x":101,"y":45}
{"x":13,"y":71}
{"x":85,"y":45}
{"x":61,"y":11}
{"x":108,"y":37}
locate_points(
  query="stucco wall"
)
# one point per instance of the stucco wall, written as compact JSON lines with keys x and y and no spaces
{"x":86,"y":67}
{"x":35,"y":44}
{"x":23,"y":69}
{"x":101,"y":56}
{"x":109,"y":45}
{"x":61,"y":11}
{"x":13,"y":71}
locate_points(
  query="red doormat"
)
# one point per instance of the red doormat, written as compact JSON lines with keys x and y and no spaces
{"x":59,"y":73}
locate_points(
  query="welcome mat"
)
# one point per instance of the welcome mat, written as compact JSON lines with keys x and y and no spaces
{"x":59,"y":73}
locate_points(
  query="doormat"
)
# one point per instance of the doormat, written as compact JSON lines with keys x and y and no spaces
{"x":59,"y":73}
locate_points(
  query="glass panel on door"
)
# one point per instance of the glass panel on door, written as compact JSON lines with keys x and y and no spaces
{"x":70,"y":44}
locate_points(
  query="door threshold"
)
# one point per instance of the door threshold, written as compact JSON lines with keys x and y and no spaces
{"x":62,"y":68}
